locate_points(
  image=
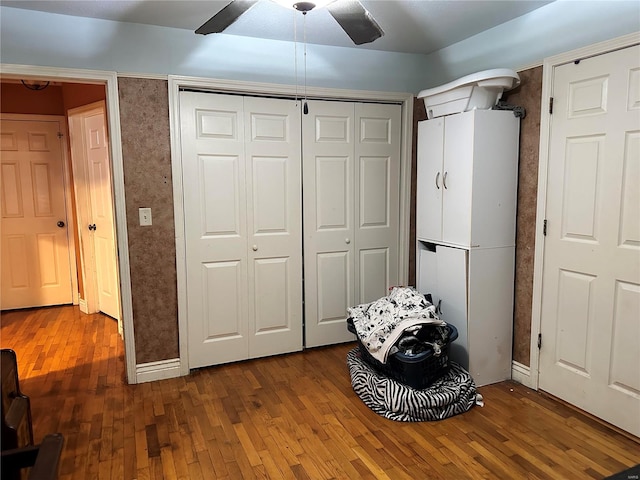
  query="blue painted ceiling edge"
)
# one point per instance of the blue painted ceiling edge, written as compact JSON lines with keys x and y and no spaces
{"x":37,"y":38}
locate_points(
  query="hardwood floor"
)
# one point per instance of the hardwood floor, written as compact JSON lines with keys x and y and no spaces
{"x":292,"y":416}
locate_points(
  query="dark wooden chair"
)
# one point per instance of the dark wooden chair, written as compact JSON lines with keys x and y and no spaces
{"x":18,"y":450}
{"x":41,"y":459}
{"x":17,"y":430}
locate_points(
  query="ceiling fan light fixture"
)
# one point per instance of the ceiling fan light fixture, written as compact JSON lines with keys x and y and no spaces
{"x":35,"y":85}
{"x":303,"y":6}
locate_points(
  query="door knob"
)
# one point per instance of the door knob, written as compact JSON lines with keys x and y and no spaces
{"x":92,"y":227}
{"x":255,"y":248}
{"x":347,"y":241}
{"x":60,"y":223}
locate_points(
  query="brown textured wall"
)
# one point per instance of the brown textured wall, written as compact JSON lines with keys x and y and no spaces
{"x":146,"y":149}
{"x":419,"y":114}
{"x":529,"y":96}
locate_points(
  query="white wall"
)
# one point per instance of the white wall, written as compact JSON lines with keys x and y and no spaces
{"x":36,"y":38}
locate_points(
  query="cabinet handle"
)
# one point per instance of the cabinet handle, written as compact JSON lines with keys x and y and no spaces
{"x":437,"y":178}
{"x":444,"y":180}
{"x":255,"y":248}
{"x":347,"y":241}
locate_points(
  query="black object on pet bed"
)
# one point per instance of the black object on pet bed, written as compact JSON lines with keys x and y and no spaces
{"x":453,"y":393}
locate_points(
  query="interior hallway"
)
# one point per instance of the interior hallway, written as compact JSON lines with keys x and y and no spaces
{"x":292,"y":416}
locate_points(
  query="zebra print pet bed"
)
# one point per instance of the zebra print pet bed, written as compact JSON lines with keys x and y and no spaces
{"x":453,"y":393}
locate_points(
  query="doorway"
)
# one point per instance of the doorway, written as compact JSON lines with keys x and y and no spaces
{"x":587,"y":262}
{"x":106,"y":83}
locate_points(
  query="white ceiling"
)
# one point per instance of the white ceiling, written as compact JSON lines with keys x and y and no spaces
{"x":410,"y":26}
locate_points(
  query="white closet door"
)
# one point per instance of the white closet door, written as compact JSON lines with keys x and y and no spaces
{"x":242,"y":203}
{"x":212,"y":135}
{"x":351,"y":202}
{"x":377,"y":186}
{"x":328,"y":153}
{"x":274,"y":206}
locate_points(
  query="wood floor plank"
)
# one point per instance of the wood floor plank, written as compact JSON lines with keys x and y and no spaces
{"x":292,"y":416}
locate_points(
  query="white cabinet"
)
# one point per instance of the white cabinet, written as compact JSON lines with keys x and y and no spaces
{"x":467,"y":179}
{"x":466,"y":206}
{"x":474,"y":288}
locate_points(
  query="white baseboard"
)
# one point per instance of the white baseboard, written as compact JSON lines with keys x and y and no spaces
{"x":149,"y":372}
{"x":522,"y":374}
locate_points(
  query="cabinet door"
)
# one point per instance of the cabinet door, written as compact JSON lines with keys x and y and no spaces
{"x":452,"y":293}
{"x":429,"y":179}
{"x":457,"y":179}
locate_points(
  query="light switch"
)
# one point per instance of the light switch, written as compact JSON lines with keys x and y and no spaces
{"x":145,"y":216}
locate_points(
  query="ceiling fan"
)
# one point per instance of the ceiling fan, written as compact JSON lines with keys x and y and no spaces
{"x":354,"y":19}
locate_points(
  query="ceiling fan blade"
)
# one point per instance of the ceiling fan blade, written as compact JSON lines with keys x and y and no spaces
{"x":355,"y":20}
{"x":226,"y":16}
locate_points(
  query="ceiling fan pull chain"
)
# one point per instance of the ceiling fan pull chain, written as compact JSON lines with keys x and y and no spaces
{"x":295,"y":50}
{"x":305,"y":108}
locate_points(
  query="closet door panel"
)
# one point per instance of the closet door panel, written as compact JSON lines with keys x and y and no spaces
{"x":377,"y":170}
{"x":219,"y":184}
{"x":223,"y":327}
{"x":334,"y":287}
{"x":333,"y":205}
{"x":328,"y":170}
{"x":212,"y":135}
{"x":273,"y":190}
{"x":373,"y":274}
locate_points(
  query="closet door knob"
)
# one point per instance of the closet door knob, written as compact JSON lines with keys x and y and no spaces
{"x":255,"y":248}
{"x":437,"y":178}
{"x":444,"y":180}
{"x":347,"y":240}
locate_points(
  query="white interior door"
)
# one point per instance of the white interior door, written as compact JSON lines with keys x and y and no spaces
{"x":590,"y":314}
{"x":104,"y":236}
{"x":36,"y":267}
{"x":351,"y":171}
{"x":241,"y":166}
